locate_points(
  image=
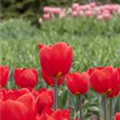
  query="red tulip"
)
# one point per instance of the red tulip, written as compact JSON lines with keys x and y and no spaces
{"x":56,"y":60}
{"x":2,"y":93}
{"x":119,"y":74}
{"x":78,"y":83}
{"x":4,"y":75}
{"x":50,"y":81}
{"x":47,"y":110}
{"x":117,"y":116}
{"x":105,"y":81}
{"x":91,"y":70}
{"x":15,"y":94}
{"x":55,"y":115}
{"x":24,"y":108}
{"x":45,"y":99}
{"x":26,"y":77}
{"x":40,"y":45}
{"x":114,"y":93}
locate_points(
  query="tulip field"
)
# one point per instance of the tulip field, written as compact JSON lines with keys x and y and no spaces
{"x":66,"y":68}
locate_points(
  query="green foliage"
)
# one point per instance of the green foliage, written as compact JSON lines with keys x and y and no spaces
{"x":94,"y":43}
{"x":89,"y":38}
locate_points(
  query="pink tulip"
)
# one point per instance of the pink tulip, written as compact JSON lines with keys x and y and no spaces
{"x":100,"y":17}
{"x":107,"y":16}
{"x":46,"y":17}
{"x":88,"y":13}
{"x":74,"y":14}
{"x":75,"y":6}
{"x":46,"y":9}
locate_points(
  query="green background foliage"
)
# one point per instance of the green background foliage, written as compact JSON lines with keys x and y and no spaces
{"x":95,"y":43}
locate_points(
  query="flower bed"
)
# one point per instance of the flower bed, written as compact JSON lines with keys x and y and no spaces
{"x":44,"y":104}
{"x":99,"y":12}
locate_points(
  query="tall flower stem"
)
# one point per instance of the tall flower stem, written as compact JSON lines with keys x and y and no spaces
{"x":56,"y":94}
{"x":104,"y":107}
{"x":119,"y":102}
{"x":111,"y":109}
{"x":79,"y":106}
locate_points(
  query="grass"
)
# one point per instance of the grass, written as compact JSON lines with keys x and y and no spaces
{"x":95,"y":43}
{"x":98,"y":46}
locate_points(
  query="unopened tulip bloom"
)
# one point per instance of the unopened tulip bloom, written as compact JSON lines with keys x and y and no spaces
{"x":45,"y":99}
{"x":50,"y":81}
{"x":4,"y":75}
{"x":99,"y":17}
{"x":114,"y":93}
{"x":107,"y":16}
{"x":75,"y":6}
{"x":75,"y":14}
{"x":26,"y":77}
{"x":55,"y":115}
{"x":105,"y":81}
{"x":46,"y":16}
{"x":46,"y":9}
{"x":77,"y":83}
{"x":15,"y":94}
{"x":119,"y":74}
{"x":92,"y":69}
{"x":89,"y":13}
{"x":56,"y":60}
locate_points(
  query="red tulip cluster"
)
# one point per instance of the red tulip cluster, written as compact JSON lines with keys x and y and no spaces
{"x":25,"y":104}
{"x":100,"y":12}
{"x":28,"y":104}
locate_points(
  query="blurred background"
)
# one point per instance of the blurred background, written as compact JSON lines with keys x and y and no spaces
{"x":33,"y":9}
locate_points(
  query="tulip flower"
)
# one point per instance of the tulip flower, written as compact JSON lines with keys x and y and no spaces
{"x":50,"y":81}
{"x":4,"y":75}
{"x":92,"y":69}
{"x":23,"y":108}
{"x":117,"y":116}
{"x":106,"y":83}
{"x":54,"y":115}
{"x":119,"y":74}
{"x":44,"y":99}
{"x":25,"y":77}
{"x":15,"y":94}
{"x":56,"y":61}
{"x":46,"y":17}
{"x":2,"y":93}
{"x":78,"y":84}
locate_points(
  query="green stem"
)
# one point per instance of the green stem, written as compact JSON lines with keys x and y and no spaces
{"x":56,"y":94}
{"x":80,"y":106}
{"x":111,"y":109}
{"x":104,"y":107}
{"x":119,"y":101}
